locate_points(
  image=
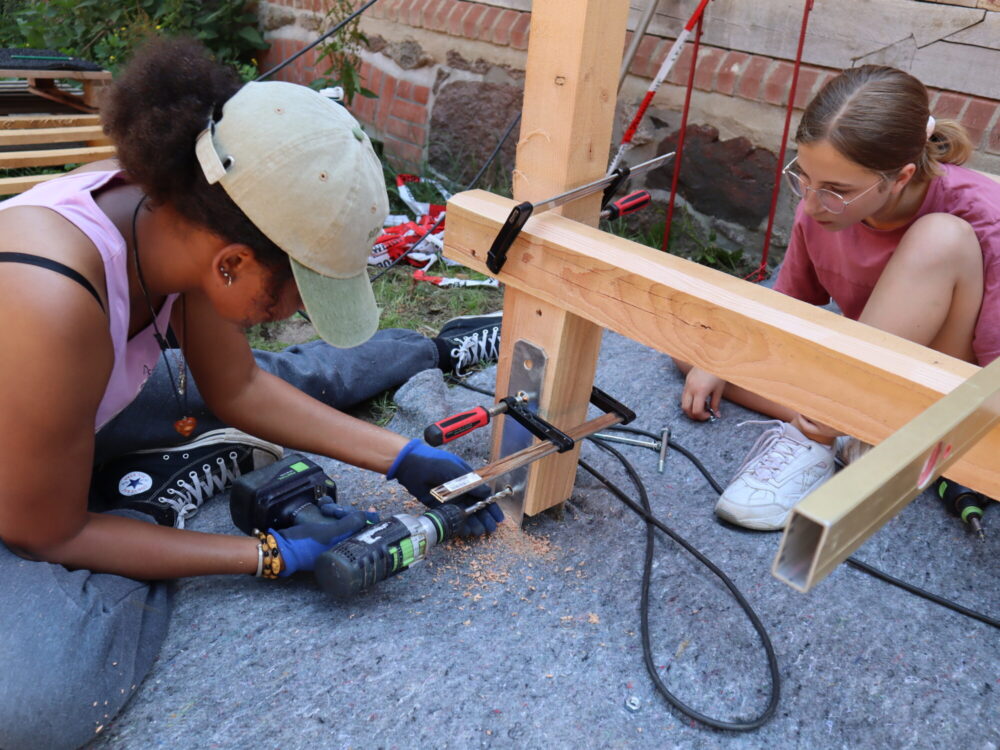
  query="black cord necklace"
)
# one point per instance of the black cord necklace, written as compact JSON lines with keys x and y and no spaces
{"x":186,"y":424}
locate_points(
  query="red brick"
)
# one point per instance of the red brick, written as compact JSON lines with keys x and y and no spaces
{"x":403,"y":153}
{"x":363,"y":108}
{"x":374,"y":81}
{"x":993,"y":141}
{"x":808,"y":77}
{"x":645,"y":63}
{"x":948,"y":105}
{"x":778,"y":83}
{"x":489,"y":18}
{"x":444,"y":11}
{"x":421,"y":94}
{"x":519,"y":33}
{"x":415,"y":12}
{"x":376,"y":11}
{"x":403,"y":90}
{"x":391,"y":9}
{"x":427,"y":13}
{"x":455,"y":19}
{"x":730,"y":71}
{"x":470,"y":21}
{"x":708,"y":64}
{"x":406,"y":131}
{"x":503,"y":26}
{"x":678,"y":74}
{"x":408,"y":111}
{"x":977,"y":118}
{"x":752,"y":78}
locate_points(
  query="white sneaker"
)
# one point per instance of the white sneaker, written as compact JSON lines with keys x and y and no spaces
{"x":782,"y":467}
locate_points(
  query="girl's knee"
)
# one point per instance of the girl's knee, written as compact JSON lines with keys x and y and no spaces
{"x":940,"y":240}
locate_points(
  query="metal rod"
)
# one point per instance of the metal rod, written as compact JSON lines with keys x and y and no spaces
{"x":640,"y":31}
{"x":611,"y":438}
{"x":592,"y":187}
{"x":461,"y":485}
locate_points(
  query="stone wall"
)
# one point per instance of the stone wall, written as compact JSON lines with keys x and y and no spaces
{"x":448,"y":77}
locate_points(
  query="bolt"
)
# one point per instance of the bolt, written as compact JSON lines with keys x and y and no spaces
{"x":632,"y":703}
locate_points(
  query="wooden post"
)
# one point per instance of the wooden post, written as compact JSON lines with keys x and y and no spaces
{"x":574,"y":52}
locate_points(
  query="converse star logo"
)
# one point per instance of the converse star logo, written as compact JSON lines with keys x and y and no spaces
{"x":135,"y":483}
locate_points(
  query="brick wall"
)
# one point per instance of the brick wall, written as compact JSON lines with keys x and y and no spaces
{"x":401,"y":113}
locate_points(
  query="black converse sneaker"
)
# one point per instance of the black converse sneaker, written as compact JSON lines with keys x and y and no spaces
{"x":469,"y":340}
{"x":170,"y":484}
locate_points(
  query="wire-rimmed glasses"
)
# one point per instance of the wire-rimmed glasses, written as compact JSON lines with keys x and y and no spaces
{"x":833,"y":202}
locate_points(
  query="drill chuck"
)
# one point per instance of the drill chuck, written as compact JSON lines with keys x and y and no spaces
{"x":385,"y":549}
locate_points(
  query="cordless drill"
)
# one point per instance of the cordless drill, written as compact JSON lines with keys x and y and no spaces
{"x":289,"y":491}
{"x":389,"y":547}
{"x":965,"y":503}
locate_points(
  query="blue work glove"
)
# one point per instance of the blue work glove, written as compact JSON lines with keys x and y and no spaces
{"x":420,"y":468}
{"x":301,"y":545}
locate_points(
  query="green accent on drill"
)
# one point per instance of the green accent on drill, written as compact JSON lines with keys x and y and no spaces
{"x":394,"y":553}
{"x":971,"y":509}
{"x":406,"y":546}
{"x":437,"y":524}
{"x":942,"y":488}
{"x":299,"y":466}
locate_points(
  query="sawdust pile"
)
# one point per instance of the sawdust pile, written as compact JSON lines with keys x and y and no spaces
{"x":479,"y":563}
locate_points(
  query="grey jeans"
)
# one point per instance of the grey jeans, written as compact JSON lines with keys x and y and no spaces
{"x":76,"y":645}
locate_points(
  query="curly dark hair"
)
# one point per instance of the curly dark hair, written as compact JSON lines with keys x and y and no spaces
{"x":154,"y":112}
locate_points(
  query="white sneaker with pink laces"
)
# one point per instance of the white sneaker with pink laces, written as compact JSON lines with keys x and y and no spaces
{"x":782,"y":468}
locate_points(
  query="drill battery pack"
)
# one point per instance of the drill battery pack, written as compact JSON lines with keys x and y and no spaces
{"x":272,"y":497}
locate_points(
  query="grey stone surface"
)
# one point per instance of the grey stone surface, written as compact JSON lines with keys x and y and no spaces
{"x":531,"y":639}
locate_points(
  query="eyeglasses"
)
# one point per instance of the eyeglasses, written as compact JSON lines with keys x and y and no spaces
{"x":829,"y":200}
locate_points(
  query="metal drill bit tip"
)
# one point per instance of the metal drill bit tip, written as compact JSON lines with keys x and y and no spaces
{"x":978,"y":528}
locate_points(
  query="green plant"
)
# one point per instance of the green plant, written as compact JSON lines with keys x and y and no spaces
{"x":342,"y":52}
{"x":107,"y":32}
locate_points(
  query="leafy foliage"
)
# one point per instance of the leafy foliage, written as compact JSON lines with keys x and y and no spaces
{"x":342,"y":52}
{"x":107,"y":32}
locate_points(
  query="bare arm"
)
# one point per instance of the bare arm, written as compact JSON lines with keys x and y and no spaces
{"x":54,"y":375}
{"x":252,"y":400}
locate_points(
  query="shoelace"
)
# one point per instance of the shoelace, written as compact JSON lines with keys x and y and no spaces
{"x":771,"y":452}
{"x":186,"y":500}
{"x":476,"y":347}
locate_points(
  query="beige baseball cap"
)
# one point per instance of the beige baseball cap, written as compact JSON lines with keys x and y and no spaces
{"x":302,"y":170}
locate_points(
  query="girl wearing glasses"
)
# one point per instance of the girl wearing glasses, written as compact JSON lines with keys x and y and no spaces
{"x":898,"y":235}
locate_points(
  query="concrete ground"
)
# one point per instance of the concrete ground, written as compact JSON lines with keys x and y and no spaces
{"x":531,"y":638}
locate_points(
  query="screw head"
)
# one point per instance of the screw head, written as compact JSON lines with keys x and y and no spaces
{"x":632,"y":703}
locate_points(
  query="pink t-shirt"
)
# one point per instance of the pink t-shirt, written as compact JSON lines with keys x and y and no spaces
{"x":135,"y":357}
{"x":821,"y":265}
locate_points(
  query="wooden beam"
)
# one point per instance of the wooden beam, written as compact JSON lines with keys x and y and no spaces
{"x":17,"y":122}
{"x":14,"y":185}
{"x":50,"y":157}
{"x":90,"y":134}
{"x":858,"y":379}
{"x":835,"y":519}
{"x":571,"y":77}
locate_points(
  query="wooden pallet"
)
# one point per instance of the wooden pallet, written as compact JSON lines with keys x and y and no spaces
{"x":48,"y":141}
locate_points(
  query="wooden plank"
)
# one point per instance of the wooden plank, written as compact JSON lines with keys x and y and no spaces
{"x":858,"y":379}
{"x":71,"y":75}
{"x":834,"y":520}
{"x":19,"y":122}
{"x":92,"y":134}
{"x":15,"y":185}
{"x":571,"y":77}
{"x":54,"y":156}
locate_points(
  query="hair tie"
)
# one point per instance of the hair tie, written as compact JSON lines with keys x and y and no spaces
{"x":931,"y":122}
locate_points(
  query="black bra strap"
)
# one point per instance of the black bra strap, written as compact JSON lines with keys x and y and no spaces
{"x":52,"y":265}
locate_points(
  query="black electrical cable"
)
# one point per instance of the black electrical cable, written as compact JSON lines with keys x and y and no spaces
{"x":472,"y":184}
{"x":645,"y":512}
{"x":852,"y":561}
{"x":289,"y":60}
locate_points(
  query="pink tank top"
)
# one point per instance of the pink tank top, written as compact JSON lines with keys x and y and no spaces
{"x":135,"y":358}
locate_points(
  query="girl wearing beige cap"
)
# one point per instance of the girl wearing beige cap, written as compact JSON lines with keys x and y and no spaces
{"x":230,"y":205}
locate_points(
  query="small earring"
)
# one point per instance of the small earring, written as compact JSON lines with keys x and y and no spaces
{"x":226,"y":275}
